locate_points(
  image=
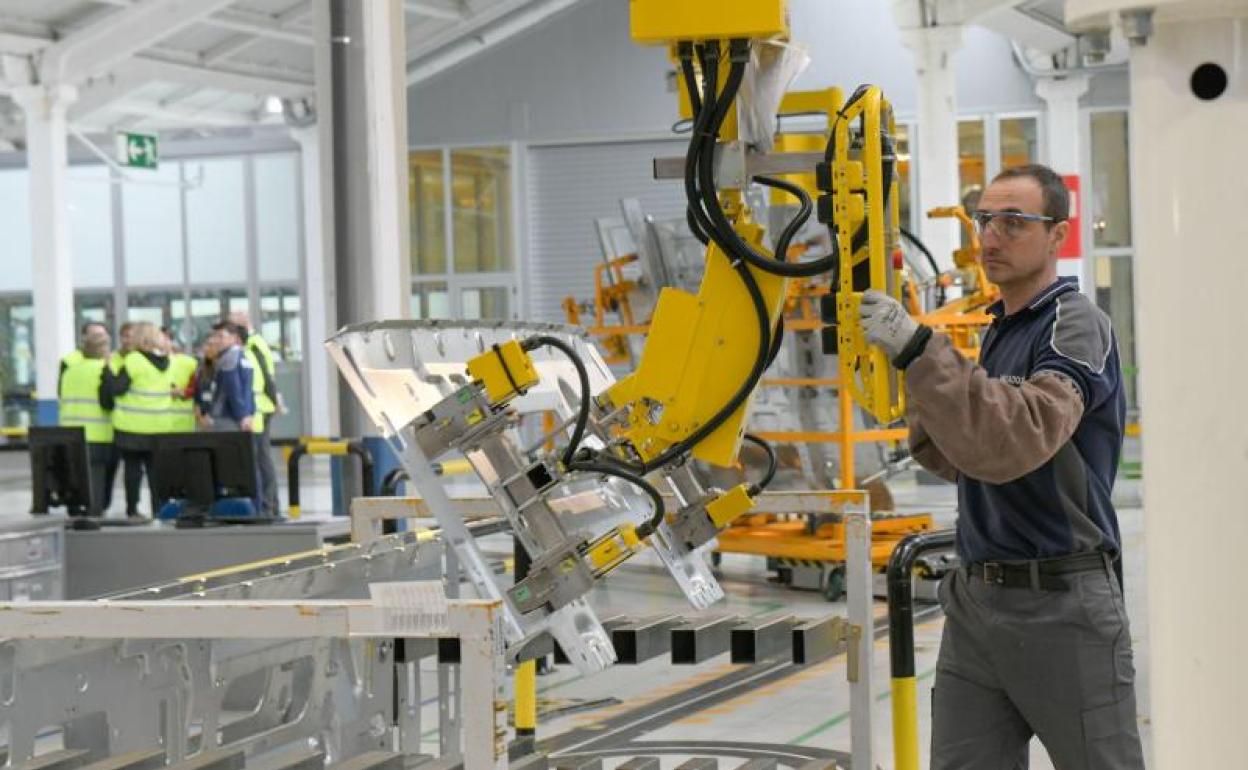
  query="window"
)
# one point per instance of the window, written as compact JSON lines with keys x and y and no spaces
{"x":468,"y":272}
{"x":208,"y":306}
{"x":971,"y":159}
{"x":1020,"y":143}
{"x":490,"y":302}
{"x":216,"y":230}
{"x":152,"y":306}
{"x":904,"y":176}
{"x":1111,"y":180}
{"x":95,"y":306}
{"x":1108,"y":208}
{"x":426,"y":192}
{"x":481,"y":206}
{"x":1115,"y":295}
{"x":15,"y":249}
{"x":277,"y":207}
{"x":429,"y":301}
{"x":279,"y":323}
{"x":17,"y":338}
{"x":152,"y":226}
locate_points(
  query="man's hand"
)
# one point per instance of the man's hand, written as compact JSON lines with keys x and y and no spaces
{"x":246,"y":424}
{"x":885,"y":322}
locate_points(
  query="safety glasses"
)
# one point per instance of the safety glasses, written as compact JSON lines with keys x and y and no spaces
{"x":1006,"y":224}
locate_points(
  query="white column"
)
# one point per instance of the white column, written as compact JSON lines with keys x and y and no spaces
{"x":937,"y":150}
{"x":1189,"y":181}
{"x":320,"y":298}
{"x":1061,"y":120}
{"x":385,"y":95}
{"x":44,"y":108}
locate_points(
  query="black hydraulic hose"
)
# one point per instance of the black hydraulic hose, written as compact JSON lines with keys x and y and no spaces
{"x":731,"y":240}
{"x":921,"y":246}
{"x":646,"y":528}
{"x":772,"y":464}
{"x":582,"y":374}
{"x":699,"y":223}
{"x":795,"y":224}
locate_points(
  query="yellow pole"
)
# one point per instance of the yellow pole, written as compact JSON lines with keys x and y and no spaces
{"x":905,"y":724}
{"x":526,"y":703}
{"x":847,"y":439}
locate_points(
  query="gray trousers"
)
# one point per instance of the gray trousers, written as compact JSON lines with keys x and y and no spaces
{"x":1018,"y":662}
{"x":267,"y":470}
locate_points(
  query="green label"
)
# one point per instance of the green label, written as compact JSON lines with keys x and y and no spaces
{"x":137,"y":150}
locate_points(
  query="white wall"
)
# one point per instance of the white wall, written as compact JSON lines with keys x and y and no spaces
{"x":580,"y":76}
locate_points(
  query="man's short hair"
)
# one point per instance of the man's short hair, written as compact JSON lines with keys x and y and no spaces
{"x":232,"y":328}
{"x":1056,"y":196}
{"x":95,"y":342}
{"x":89,"y":325}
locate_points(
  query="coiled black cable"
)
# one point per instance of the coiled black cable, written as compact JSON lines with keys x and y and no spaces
{"x":646,"y":528}
{"x":582,"y":374}
{"x":772,"y":464}
{"x":795,"y":224}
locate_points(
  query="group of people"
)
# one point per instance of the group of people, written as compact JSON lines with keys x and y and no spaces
{"x":123,"y":399}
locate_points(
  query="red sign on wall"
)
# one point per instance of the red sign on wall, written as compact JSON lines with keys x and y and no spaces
{"x":1072,"y":248}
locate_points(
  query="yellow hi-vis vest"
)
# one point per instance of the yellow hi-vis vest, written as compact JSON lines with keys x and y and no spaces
{"x":262,"y":372}
{"x":182,"y":410}
{"x":145,"y":407}
{"x":80,"y":398}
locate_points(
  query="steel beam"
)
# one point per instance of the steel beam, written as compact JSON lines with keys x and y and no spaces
{"x":701,"y":640}
{"x":818,"y":640}
{"x":644,"y":639}
{"x":759,"y":640}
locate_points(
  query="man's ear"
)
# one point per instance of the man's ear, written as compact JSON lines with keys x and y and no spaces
{"x":1058,"y":235}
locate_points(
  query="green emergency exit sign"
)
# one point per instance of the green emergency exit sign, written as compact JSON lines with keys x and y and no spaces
{"x":136,"y":150}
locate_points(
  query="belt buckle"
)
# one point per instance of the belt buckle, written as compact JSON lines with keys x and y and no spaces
{"x":994,"y":572}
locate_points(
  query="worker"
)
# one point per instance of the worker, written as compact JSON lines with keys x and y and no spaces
{"x":79,"y":389}
{"x":182,"y":368}
{"x":1036,"y":638}
{"x":267,"y":401}
{"x":233,"y":404}
{"x":141,"y":402}
{"x":202,"y":388}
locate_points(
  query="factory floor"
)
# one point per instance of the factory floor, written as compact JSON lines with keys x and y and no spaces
{"x":718,"y":708}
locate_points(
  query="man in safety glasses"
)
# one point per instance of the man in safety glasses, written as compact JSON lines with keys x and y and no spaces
{"x":1036,"y":640}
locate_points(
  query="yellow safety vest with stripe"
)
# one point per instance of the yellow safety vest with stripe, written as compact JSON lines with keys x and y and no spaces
{"x":182,"y":410}
{"x":80,"y":397}
{"x":262,"y":371}
{"x":145,"y":407}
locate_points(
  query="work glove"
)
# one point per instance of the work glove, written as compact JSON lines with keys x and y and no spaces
{"x":886,"y":323}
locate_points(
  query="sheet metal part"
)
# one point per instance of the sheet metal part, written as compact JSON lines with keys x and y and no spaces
{"x":644,"y":639}
{"x":763,"y":639}
{"x":700,"y":640}
{"x":402,"y":370}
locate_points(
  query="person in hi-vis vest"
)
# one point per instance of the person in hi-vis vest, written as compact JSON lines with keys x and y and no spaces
{"x":79,"y":390}
{"x":142,"y":395}
{"x":182,"y":368}
{"x":268,"y":403}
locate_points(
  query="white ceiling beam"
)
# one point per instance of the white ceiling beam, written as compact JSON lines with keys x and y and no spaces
{"x":258,"y":24}
{"x":480,"y":20}
{"x":148,"y":110}
{"x":98,"y":93}
{"x":224,"y":79}
{"x":23,"y":45}
{"x":473,"y":38}
{"x":458,"y":12}
{"x":95,"y":48}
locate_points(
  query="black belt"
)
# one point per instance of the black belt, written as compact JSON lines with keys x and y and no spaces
{"x":1043,"y":575}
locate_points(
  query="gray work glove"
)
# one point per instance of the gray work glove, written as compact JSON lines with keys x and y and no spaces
{"x":885,"y":322}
